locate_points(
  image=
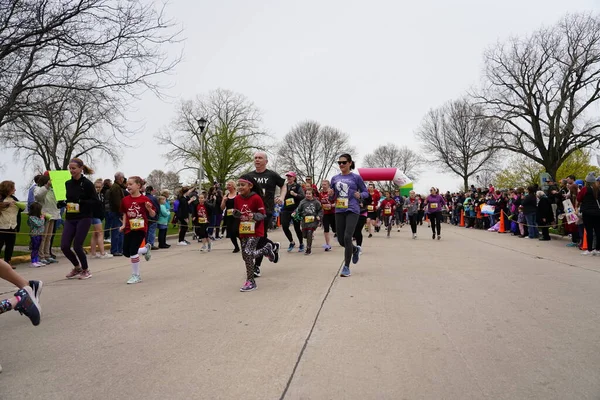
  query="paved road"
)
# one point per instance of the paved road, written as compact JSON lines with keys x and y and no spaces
{"x":477,"y":315}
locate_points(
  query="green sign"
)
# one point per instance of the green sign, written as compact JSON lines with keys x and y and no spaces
{"x":59,"y":178}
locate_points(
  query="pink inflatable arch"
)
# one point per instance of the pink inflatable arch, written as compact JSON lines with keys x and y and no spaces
{"x":384,"y":174}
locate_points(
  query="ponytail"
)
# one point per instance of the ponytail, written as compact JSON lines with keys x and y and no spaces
{"x":86,"y":170}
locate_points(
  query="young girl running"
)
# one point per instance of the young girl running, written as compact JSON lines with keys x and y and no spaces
{"x":36,"y":222}
{"x":328,"y":214}
{"x":26,"y":300}
{"x":135,"y":209}
{"x":311,"y":212}
{"x":249,"y":208}
{"x":412,"y":206}
{"x":388,"y":209}
{"x":347,"y":189}
{"x":372,"y":209}
{"x":204,"y":214}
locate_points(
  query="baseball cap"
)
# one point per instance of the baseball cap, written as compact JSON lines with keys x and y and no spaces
{"x":291,"y":173}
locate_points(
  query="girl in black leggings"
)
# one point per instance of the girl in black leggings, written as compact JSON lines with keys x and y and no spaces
{"x":434,"y":204}
{"x":294,"y":195}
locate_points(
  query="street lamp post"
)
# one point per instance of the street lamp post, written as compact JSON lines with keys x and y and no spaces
{"x":202,"y":126}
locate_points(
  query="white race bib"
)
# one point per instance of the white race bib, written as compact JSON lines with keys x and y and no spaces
{"x":72,"y":207}
{"x":136,"y":223}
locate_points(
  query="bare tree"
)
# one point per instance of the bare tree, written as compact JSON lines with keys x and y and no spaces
{"x":226,"y":146}
{"x":543,"y":90}
{"x":62,"y":124}
{"x":458,"y":139}
{"x":161,"y":180}
{"x":310,"y":149}
{"x":80,"y":45}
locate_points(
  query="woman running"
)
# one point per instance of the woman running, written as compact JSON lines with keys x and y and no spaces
{"x":81,"y":200}
{"x":347,"y":189}
{"x":227,"y":205}
{"x":411,"y":204}
{"x":328,"y":214}
{"x":362,"y":221}
{"x":294,"y":195}
{"x":434,"y":204}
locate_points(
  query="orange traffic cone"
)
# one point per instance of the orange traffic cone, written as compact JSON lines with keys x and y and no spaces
{"x":462,"y":218}
{"x":584,"y":245}
{"x":502,"y":230}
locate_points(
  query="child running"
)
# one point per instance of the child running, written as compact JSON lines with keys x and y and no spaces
{"x":36,"y":222}
{"x":311,"y":212}
{"x":249,"y":208}
{"x":412,"y":206}
{"x":328,"y":214}
{"x":135,"y":209}
{"x":204,"y":213}
{"x":388,"y":209}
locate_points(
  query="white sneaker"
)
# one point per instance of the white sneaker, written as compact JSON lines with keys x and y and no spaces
{"x":105,"y":256}
{"x":134,"y":279}
{"x":595,"y":252}
{"x":182,"y":244}
{"x":203,"y":248}
{"x":106,"y":240}
{"x":586,"y":253}
{"x":414,"y":235}
{"x":36,"y":265}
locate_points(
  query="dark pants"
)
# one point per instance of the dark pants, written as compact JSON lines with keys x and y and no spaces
{"x":286,"y":218}
{"x":532,"y":229}
{"x":545,"y":232}
{"x":358,"y":231}
{"x":262,"y":242}
{"x":116,"y":236}
{"x":592,"y":228}
{"x":75,"y":231}
{"x":436,"y":222}
{"x":183,"y":228}
{"x":36,"y":243}
{"x":413,"y":223}
{"x":162,"y":236}
{"x":346,"y":224}
{"x":8,"y":238}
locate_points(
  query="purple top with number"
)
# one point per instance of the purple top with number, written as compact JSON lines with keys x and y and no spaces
{"x":344,"y":187}
{"x":435,"y":203}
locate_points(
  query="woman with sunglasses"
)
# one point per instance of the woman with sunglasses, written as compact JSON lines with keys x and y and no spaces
{"x":434,"y":204}
{"x":346,"y":190}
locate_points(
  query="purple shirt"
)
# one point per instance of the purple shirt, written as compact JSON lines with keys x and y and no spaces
{"x":435,"y":203}
{"x":344,"y":187}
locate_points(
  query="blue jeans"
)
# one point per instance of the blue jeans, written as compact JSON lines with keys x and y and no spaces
{"x":532,"y":229}
{"x":113,"y":223}
{"x":151,"y":235}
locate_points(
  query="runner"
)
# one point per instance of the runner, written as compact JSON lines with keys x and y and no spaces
{"x":372,"y":208}
{"x":388,"y":208}
{"x":328,"y":214}
{"x":362,"y":220}
{"x":136,"y":208}
{"x":294,"y":195}
{"x":204,"y":213}
{"x":311,"y":212}
{"x":398,"y":217}
{"x":250,"y":210}
{"x":434,"y":204}
{"x":347,"y":189}
{"x":227,"y":205}
{"x":81,"y":200}
{"x":268,"y":181}
{"x":26,"y":300}
{"x":411,"y":204}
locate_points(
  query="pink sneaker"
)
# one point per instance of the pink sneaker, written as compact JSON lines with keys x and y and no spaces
{"x":74,"y":273}
{"x":85,"y":274}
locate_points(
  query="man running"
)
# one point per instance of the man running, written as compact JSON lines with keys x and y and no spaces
{"x":268,"y":181}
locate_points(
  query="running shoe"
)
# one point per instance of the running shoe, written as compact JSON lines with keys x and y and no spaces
{"x":571,"y":244}
{"x":345,"y":271}
{"x":236,"y":251}
{"x":203,"y":248}
{"x":85,"y":274}
{"x":433,"y":236}
{"x":106,"y":256}
{"x":291,"y":247}
{"x":301,"y":248}
{"x":398,"y":229}
{"x":257,"y":271}
{"x":439,"y":237}
{"x":276,"y":247}
{"x":134,"y":279}
{"x":414,"y":235}
{"x":36,"y":286}
{"x":187,"y":241}
{"x":74,"y":274}
{"x":28,"y":305}
{"x":148,"y":254}
{"x":51,"y":260}
{"x":308,"y":252}
{"x":248,"y":287}
{"x":327,"y":247}
{"x":36,"y":265}
{"x":370,"y":235}
{"x":595,"y":252}
{"x":355,"y":254}
{"x":586,"y":253}
{"x":270,"y":254}
{"x":44,"y":262}
{"x":209,"y":247}
{"x":184,"y":243}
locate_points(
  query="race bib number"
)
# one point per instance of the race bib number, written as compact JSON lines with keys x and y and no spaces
{"x":289,"y":202}
{"x":72,"y":207}
{"x":327,"y":207}
{"x":370,"y":208}
{"x":433,"y":205}
{"x":201,"y":220}
{"x":136,"y":223}
{"x":309,"y":219}
{"x":247,"y":227}
{"x":387,"y":211}
{"x":229,"y":212}
{"x":341,"y":202}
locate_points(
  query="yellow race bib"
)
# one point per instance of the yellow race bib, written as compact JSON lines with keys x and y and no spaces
{"x":309,"y":219}
{"x":229,"y":212}
{"x":72,"y":207}
{"x":201,"y":220}
{"x":433,"y":205}
{"x":341,"y":202}
{"x":247,"y":227}
{"x":289,"y":202}
{"x":387,"y":211}
{"x":327,"y":207}
{"x":136,"y":223}
{"x":370,"y":208}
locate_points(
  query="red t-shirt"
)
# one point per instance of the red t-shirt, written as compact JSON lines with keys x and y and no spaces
{"x":328,"y":208}
{"x":135,"y":213}
{"x":251,"y":205}
{"x":376,"y":196}
{"x":388,"y":207}
{"x":201,"y":214}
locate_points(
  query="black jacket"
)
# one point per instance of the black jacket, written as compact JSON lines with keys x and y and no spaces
{"x":544,"y":211}
{"x":529,"y":204}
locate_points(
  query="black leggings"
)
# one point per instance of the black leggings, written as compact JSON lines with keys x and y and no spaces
{"x":436,"y":222}
{"x":262,"y":242}
{"x":286,"y":218}
{"x":346,"y":224}
{"x":362,"y":220}
{"x":592,"y":228}
{"x":183,"y":228}
{"x":413,"y":222}
{"x":8,"y":237}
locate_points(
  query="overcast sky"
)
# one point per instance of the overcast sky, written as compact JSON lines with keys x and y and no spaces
{"x":372,"y":69}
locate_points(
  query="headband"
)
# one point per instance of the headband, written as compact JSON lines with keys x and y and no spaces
{"x":76,"y":161}
{"x":244,"y":180}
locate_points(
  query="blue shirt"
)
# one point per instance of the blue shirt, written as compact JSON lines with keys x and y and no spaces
{"x":344,"y":187}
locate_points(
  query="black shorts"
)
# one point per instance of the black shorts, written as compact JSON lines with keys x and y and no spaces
{"x":329,"y":221}
{"x":372,"y":215}
{"x":201,"y":231}
{"x":132,"y":242}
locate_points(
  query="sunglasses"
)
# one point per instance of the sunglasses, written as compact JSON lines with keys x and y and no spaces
{"x":342,"y":162}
